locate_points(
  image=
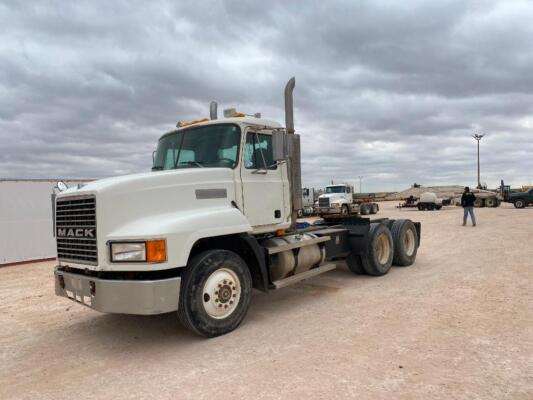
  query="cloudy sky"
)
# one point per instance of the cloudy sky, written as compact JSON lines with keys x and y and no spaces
{"x":390,"y":90}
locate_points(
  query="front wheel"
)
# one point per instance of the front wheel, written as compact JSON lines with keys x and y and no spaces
{"x":345,"y":210}
{"x":215,"y":293}
{"x":519,"y":203}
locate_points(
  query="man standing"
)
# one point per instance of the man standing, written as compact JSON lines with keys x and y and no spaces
{"x":467,"y":201}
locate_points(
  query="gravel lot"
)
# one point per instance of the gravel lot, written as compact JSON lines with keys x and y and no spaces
{"x":456,"y":325}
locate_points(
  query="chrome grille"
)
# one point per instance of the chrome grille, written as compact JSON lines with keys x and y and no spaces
{"x":76,"y":229}
{"x":323,"y":202}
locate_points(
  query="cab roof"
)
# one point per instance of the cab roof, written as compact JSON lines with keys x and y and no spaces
{"x":247,"y":120}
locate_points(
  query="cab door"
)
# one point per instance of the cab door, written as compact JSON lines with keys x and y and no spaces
{"x":263,"y":182}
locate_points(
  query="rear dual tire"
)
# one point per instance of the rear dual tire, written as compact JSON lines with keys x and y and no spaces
{"x":405,"y":238}
{"x":379,"y":255}
{"x":399,"y":246}
{"x":479,"y":203}
{"x":490,"y":202}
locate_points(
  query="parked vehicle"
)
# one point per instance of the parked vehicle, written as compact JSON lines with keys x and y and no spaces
{"x":214,"y":219}
{"x":429,"y":201}
{"x":484,"y":198}
{"x":426,"y":201}
{"x":519,"y":199}
{"x":340,"y":199}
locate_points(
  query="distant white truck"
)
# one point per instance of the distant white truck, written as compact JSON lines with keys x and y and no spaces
{"x":339,"y":199}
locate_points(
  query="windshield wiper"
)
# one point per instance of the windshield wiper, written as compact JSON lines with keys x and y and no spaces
{"x":157,"y":168}
{"x":198,"y":163}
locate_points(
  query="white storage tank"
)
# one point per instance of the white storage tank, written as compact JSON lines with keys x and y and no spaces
{"x":428,"y":197}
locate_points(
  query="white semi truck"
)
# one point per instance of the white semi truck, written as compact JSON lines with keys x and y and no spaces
{"x":339,"y":199}
{"x":214,"y":219}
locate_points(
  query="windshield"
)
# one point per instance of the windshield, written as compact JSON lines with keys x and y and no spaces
{"x":214,"y":146}
{"x":335,"y":189}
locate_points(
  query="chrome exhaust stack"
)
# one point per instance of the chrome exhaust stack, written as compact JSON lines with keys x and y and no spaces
{"x":289,"y":108}
{"x":294,"y":162}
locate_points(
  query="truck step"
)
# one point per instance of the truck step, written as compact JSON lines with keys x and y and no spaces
{"x":304,"y":275}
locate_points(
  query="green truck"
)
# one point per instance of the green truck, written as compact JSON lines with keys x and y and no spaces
{"x":519,"y":199}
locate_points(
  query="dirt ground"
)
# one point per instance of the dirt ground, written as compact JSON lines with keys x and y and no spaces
{"x":456,"y":325}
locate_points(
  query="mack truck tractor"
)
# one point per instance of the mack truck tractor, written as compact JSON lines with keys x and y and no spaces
{"x":339,"y":199}
{"x":214,"y":219}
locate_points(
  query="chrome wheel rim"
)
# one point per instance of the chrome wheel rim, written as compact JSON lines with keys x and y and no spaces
{"x":221,"y":293}
{"x":409,"y":242}
{"x":383,"y":249}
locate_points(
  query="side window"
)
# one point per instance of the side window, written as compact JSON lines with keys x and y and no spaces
{"x":258,"y":151}
{"x":347,"y":189}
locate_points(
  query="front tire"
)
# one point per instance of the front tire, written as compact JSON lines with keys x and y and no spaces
{"x":345,"y":210}
{"x":215,"y":293}
{"x":519,"y":203}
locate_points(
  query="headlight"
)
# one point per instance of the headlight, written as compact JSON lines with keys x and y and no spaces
{"x":128,"y":251}
{"x":337,"y":205}
{"x":151,"y":251}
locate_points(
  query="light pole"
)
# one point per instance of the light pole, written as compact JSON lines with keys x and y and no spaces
{"x":360,"y":184}
{"x":478,"y":138}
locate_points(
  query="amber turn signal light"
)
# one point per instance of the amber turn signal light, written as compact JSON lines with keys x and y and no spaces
{"x":156,"y":251}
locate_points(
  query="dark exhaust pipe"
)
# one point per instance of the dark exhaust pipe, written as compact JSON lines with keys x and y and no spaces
{"x":213,"y":110}
{"x":289,"y":109}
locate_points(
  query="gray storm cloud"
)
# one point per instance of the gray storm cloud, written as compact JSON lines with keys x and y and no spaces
{"x":385,"y":89}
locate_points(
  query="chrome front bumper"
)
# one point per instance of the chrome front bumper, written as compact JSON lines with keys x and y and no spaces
{"x":328,"y":210}
{"x":119,"y":296}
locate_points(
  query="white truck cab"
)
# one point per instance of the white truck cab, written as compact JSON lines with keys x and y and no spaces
{"x":336,"y":199}
{"x":213,"y":219}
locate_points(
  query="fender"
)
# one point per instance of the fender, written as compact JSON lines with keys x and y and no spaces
{"x":181,"y":230}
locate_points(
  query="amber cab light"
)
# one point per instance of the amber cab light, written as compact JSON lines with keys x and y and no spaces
{"x":156,"y":251}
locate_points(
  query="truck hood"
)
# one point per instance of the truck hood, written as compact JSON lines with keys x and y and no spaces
{"x":125,"y":200}
{"x":149,"y":181}
{"x":332,"y":196}
{"x":518,"y":195}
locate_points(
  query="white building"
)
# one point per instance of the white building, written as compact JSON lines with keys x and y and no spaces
{"x":26,"y":227}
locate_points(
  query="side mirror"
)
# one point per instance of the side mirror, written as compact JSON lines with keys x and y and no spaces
{"x":280,"y":148}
